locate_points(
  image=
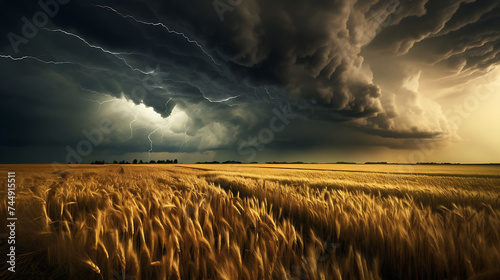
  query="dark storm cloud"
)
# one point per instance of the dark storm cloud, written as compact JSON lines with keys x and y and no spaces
{"x":401,"y":37}
{"x":459,"y":34}
{"x":474,"y":46}
{"x":303,"y":46}
{"x":330,"y":61}
{"x":313,"y":49}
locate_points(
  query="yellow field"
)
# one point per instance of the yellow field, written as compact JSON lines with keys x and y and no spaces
{"x":255,"y":222}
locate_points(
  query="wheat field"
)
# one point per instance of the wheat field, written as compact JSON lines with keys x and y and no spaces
{"x":255,"y":222}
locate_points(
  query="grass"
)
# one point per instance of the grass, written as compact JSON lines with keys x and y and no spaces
{"x":255,"y":222}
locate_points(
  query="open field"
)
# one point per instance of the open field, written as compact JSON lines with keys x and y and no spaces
{"x":255,"y":222}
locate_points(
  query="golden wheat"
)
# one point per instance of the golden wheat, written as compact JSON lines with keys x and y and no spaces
{"x":256,"y":222}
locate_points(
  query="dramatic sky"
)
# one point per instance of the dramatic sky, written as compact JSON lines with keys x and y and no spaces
{"x":250,"y":80}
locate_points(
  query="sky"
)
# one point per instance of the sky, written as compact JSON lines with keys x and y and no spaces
{"x":250,"y":80}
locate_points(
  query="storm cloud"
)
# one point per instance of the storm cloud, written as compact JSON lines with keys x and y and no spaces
{"x":196,"y":76}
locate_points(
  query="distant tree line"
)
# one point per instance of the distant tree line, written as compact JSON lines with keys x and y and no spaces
{"x":135,"y":161}
{"x":435,"y":163}
{"x":284,"y":162}
{"x":216,"y":162}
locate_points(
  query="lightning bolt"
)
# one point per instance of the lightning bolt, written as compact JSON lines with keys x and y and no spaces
{"x":130,"y":124}
{"x":269,"y":93}
{"x":28,"y":57}
{"x":94,"y":92}
{"x":260,"y":97}
{"x":39,"y":60}
{"x":203,"y":93}
{"x":110,"y":100}
{"x":166,"y":104}
{"x":102,"y":102}
{"x":97,"y":101}
{"x":151,"y":141}
{"x":34,"y":58}
{"x":219,"y":101}
{"x":85,"y":41}
{"x":115,"y":54}
{"x":163,"y":26}
{"x":168,"y":126}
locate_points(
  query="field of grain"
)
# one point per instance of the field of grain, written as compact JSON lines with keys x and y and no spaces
{"x":255,"y":222}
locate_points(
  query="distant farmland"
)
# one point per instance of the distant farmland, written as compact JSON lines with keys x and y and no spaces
{"x":255,"y":222}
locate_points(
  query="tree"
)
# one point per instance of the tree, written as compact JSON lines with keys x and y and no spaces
{"x":141,"y":162}
{"x":175,"y":160}
{"x":115,"y":162}
{"x":135,"y":161}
